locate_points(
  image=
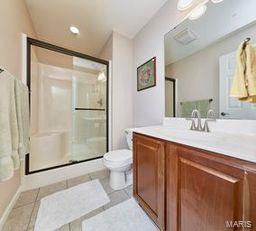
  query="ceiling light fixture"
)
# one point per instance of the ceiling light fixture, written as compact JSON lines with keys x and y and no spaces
{"x":198,"y":12}
{"x":217,"y":1}
{"x":184,"y":4}
{"x":74,"y":30}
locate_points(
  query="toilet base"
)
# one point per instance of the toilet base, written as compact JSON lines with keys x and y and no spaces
{"x":119,"y":180}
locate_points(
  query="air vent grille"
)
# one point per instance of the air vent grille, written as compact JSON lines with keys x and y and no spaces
{"x":186,"y":36}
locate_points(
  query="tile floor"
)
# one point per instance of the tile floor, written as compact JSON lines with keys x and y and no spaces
{"x":23,"y":215}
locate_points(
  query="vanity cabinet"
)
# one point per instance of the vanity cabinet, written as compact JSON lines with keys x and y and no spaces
{"x":204,"y":190}
{"x":188,"y":189}
{"x":149,"y":176}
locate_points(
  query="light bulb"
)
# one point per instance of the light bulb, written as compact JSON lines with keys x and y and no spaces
{"x":74,"y":30}
{"x":184,"y":4}
{"x":197,"y":12}
{"x":217,"y":1}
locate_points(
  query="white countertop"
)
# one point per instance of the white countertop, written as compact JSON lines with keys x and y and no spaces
{"x":238,"y":145}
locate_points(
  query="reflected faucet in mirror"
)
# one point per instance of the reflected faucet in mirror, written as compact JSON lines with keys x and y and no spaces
{"x":197,"y":126}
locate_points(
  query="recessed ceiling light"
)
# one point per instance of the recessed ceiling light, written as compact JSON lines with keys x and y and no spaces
{"x":74,"y":30}
{"x":217,"y":1}
{"x":184,"y":4}
{"x":197,"y":12}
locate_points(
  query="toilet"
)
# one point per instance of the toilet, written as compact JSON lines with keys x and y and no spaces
{"x":119,"y":162}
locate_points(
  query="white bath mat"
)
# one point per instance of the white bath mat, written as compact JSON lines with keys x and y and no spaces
{"x":126,"y":216}
{"x":65,"y":206}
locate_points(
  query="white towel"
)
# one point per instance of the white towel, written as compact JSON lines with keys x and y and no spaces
{"x":14,"y":124}
{"x":6,"y":109}
{"x":22,"y":107}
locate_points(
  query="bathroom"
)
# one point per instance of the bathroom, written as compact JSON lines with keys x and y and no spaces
{"x":101,"y":141}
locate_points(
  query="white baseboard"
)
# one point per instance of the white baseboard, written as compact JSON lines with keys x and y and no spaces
{"x":9,"y":208}
{"x":41,"y":179}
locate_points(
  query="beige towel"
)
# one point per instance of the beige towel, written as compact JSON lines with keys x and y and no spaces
{"x":244,"y":83}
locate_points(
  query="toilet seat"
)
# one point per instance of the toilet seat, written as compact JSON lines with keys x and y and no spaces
{"x":118,"y":157}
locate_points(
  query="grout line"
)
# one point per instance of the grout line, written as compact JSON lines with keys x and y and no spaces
{"x":31,"y":216}
{"x":23,"y":205}
{"x":37,"y":194}
{"x":126,"y":193}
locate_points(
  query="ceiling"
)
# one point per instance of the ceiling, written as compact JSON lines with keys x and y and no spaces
{"x":221,"y":20}
{"x":96,"y":20}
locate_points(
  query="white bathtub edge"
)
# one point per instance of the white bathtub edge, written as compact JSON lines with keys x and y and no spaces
{"x":40,"y":179}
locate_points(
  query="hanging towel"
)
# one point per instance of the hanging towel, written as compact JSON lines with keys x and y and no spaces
{"x":202,"y":105}
{"x":244,"y":83}
{"x":14,"y":124}
{"x":187,"y":108}
{"x":8,"y":127}
{"x":22,"y":107}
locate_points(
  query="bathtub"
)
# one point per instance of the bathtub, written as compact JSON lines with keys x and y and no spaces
{"x":49,"y":149}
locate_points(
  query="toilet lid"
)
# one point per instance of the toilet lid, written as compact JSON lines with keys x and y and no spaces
{"x":118,"y":155}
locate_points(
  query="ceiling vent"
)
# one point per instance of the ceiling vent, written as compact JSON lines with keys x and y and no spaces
{"x":186,"y":36}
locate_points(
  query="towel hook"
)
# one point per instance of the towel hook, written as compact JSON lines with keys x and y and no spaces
{"x":245,"y":42}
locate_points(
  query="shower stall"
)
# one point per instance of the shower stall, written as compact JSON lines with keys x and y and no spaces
{"x":68,"y":106}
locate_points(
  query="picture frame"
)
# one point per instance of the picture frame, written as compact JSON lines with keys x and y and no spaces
{"x":146,"y":75}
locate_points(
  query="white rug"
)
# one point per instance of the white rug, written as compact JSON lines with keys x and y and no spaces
{"x":65,"y":206}
{"x":126,"y":216}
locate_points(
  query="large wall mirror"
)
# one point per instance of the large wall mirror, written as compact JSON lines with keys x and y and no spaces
{"x":200,"y":59}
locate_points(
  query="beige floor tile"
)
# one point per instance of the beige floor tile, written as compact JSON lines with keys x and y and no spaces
{"x":18,"y":219}
{"x":50,"y":189}
{"x":106,"y":186}
{"x":26,"y":198}
{"x":33,"y":216}
{"x":64,"y":228}
{"x":77,"y":224}
{"x":116,"y":198}
{"x":100,"y":174}
{"x":129,"y":191}
{"x":78,"y":180}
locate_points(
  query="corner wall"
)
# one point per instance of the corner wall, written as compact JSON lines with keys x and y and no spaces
{"x":14,"y":21}
{"x":149,"y":104}
{"x":119,"y":50}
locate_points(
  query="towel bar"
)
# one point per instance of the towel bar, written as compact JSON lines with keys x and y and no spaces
{"x":210,"y":100}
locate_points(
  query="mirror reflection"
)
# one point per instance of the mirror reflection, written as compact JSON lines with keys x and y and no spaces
{"x":210,"y":62}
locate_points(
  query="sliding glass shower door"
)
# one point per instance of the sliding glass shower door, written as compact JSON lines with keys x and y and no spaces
{"x":89,"y":115}
{"x":68,"y":107}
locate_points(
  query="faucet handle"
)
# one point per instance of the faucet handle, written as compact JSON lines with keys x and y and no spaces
{"x":210,"y":118}
{"x":210,"y":114}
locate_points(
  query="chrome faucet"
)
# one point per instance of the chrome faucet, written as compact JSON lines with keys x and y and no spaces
{"x":210,"y":118}
{"x":197,"y":126}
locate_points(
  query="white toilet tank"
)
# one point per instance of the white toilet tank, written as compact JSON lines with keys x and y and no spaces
{"x":128,"y":135}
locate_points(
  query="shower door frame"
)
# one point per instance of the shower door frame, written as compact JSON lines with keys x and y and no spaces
{"x":51,"y":47}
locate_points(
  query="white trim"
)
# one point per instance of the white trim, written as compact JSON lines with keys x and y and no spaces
{"x":24,"y":58}
{"x":9,"y":208}
{"x":40,"y":179}
{"x":110,"y":111}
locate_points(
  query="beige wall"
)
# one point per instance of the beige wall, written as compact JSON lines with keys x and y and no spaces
{"x":119,"y":49}
{"x":14,"y":21}
{"x":198,"y":74}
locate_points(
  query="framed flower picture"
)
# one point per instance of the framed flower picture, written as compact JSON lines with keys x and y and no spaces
{"x":146,"y":75}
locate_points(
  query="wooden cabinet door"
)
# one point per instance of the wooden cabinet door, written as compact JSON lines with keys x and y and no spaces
{"x":204,"y":192}
{"x":148,"y":176}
